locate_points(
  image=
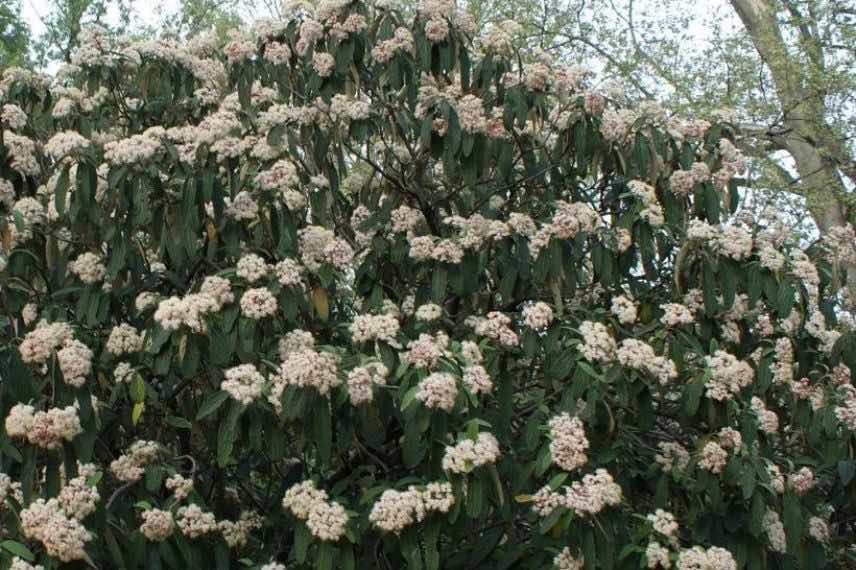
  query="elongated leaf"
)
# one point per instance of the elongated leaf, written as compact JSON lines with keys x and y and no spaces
{"x":228,"y":433}
{"x":211,"y":404}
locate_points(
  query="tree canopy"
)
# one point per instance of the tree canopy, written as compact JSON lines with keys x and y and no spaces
{"x":369,"y":288}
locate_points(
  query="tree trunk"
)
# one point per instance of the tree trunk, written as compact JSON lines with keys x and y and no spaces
{"x":806,"y":134}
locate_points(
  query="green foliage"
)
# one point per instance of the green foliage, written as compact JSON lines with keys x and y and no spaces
{"x":414,"y":276}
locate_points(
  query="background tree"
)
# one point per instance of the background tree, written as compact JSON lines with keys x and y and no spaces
{"x":14,"y":35}
{"x":786,"y":68}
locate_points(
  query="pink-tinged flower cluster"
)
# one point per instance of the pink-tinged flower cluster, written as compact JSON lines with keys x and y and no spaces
{"x":47,"y":430}
{"x":639,"y":355}
{"x":495,"y":326}
{"x":728,"y":375}
{"x":61,"y":535}
{"x":306,"y":368}
{"x":361,"y":382}
{"x":326,"y":520}
{"x":438,"y":391}
{"x":568,"y":442}
{"x":588,"y":497}
{"x":713,"y":558}
{"x":244,"y":383}
{"x":394,"y":510}
{"x":468,"y":454}
{"x":193,"y":522}
{"x":367,"y":328}
{"x":157,"y":525}
{"x":427,"y":350}
{"x":130,"y":466}
{"x":565,"y":560}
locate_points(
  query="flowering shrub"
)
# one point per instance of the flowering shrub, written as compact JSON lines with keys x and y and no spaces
{"x":361,"y":290}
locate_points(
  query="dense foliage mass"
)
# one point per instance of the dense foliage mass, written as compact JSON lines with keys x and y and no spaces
{"x":357,"y":290}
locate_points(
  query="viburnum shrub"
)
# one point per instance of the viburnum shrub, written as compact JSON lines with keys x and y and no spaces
{"x":361,"y":289}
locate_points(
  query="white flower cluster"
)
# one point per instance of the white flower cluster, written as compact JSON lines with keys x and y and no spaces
{"x":157,"y":525}
{"x":438,"y":391}
{"x":624,"y":308}
{"x":75,"y":362}
{"x":66,"y":143}
{"x":657,"y":556}
{"x":588,"y":497}
{"x":367,"y":328}
{"x":362,"y":379}
{"x":134,"y":150}
{"x":319,"y":245}
{"x":714,"y":558}
{"x":394,"y":510}
{"x":567,"y":561}
{"x":713,"y":458}
{"x":190,"y":310}
{"x":468,"y":454}
{"x":802,"y":481}
{"x":251,"y":268}
{"x":495,"y":326}
{"x":445,"y":250}
{"x":426,"y":351}
{"x":477,"y":379}
{"x":124,"y":339}
{"x":846,"y":412}
{"x":682,"y":182}
{"x":78,"y":499}
{"x":385,"y":50}
{"x":570,"y":219}
{"x":675,"y":314}
{"x":130,"y":466}
{"x":296,"y":340}
{"x":429,"y":312}
{"x":818,"y":529}
{"x":783,"y":365}
{"x":289,"y":273}
{"x":180,"y":486}
{"x":568,"y":442}
{"x":598,"y":345}
{"x":537,"y":316}
{"x":88,"y":267}
{"x":775,"y":531}
{"x":325,"y":519}
{"x":47,"y":430}
{"x":306,"y":368}
{"x":236,"y":533}
{"x":651,"y":212}
{"x":13,"y":116}
{"x":21,"y":564}
{"x":664,"y":523}
{"x":258,"y":303}
{"x":639,"y":355}
{"x":193,"y":522}
{"x":244,"y":383}
{"x":405,"y":219}
{"x":672,"y":456}
{"x":728,"y":375}
{"x":767,"y":419}
{"x":62,"y":536}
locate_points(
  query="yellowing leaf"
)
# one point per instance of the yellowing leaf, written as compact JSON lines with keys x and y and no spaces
{"x":321,"y":303}
{"x":523,"y":498}
{"x":182,"y":348}
{"x":137,"y":388}
{"x":137,"y":412}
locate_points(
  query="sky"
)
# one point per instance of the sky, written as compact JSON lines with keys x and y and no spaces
{"x":147,"y":13}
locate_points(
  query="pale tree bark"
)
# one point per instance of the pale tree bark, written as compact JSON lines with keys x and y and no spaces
{"x":820,"y":158}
